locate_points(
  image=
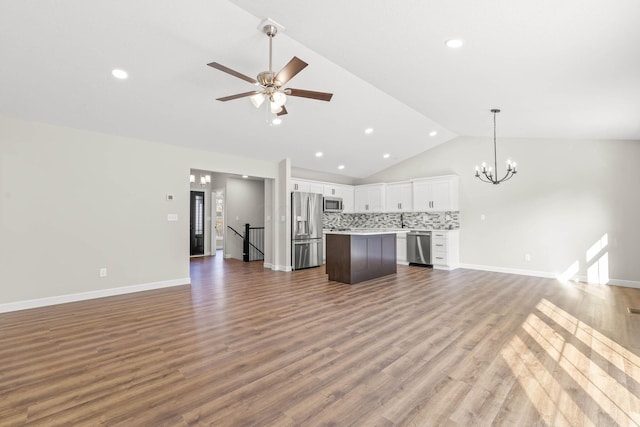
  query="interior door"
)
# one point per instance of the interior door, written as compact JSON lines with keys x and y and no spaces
{"x":197,"y":223}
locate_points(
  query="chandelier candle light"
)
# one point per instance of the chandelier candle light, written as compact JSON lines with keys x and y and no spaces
{"x":489,"y":175}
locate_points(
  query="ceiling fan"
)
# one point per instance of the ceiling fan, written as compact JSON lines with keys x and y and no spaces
{"x":272,"y":83}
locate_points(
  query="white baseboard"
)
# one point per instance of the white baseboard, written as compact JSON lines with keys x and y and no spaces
{"x":276,"y":267}
{"x":546,"y":274}
{"x":518,"y":271}
{"x":625,"y":283}
{"x":62,"y":299}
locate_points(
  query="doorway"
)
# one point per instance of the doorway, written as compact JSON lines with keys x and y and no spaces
{"x":218,"y":229}
{"x":196,"y":223}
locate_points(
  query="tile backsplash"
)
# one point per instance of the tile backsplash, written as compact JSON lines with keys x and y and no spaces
{"x":446,"y":220}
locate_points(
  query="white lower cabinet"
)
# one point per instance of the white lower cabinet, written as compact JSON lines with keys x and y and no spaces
{"x":444,"y":249}
{"x":401,"y":248}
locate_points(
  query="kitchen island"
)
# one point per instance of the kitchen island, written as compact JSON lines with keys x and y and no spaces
{"x":356,"y":256}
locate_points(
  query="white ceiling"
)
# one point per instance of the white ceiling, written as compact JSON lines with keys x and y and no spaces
{"x":558,"y":69}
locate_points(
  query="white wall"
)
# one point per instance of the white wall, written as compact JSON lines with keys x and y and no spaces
{"x":322,"y":176}
{"x":283,"y":196}
{"x":566,"y":196}
{"x":73,"y":201}
{"x":244,"y":204}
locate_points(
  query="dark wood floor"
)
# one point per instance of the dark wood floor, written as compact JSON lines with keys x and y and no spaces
{"x":247,"y":346}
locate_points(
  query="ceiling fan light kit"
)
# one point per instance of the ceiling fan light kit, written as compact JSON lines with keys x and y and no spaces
{"x":487,"y":174}
{"x":272,"y":83}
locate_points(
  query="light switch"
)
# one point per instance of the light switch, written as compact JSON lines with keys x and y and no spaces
{"x":172,"y":217}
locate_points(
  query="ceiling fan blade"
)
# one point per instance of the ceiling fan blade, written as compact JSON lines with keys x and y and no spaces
{"x":283,"y":111}
{"x":322,"y":96}
{"x":238,"y":95}
{"x":232,"y":72}
{"x":290,"y":70}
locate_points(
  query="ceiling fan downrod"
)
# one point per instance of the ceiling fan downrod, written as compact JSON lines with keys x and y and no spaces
{"x":270,"y":31}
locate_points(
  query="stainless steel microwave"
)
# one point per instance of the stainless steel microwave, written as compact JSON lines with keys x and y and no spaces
{"x":332,"y":204}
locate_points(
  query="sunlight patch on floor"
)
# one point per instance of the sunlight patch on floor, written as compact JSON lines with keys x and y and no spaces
{"x":597,"y":387}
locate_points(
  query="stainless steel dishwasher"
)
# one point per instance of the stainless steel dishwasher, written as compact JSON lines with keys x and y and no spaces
{"x":419,"y":247}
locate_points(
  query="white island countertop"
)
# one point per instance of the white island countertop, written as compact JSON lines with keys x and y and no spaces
{"x":367,"y":231}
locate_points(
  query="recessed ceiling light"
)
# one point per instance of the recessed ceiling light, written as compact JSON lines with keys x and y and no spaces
{"x":119,"y":74}
{"x":386,"y":155}
{"x":245,"y":176}
{"x":276,"y":121}
{"x":433,"y":133}
{"x":454,"y":43}
{"x":319,"y":154}
{"x":341,"y":167}
{"x":368,"y":131}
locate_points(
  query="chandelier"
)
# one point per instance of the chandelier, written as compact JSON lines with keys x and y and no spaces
{"x":489,"y":174}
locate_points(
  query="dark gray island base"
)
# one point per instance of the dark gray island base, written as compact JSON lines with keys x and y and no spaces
{"x":356,"y":257}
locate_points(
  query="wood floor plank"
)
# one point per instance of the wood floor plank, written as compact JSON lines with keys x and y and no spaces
{"x":244,"y":345}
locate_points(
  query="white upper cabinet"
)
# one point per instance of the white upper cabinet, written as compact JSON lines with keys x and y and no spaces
{"x":399,"y":197}
{"x":436,"y":194}
{"x":419,"y":195}
{"x":306,"y":186}
{"x":370,"y":198}
{"x":343,"y":191}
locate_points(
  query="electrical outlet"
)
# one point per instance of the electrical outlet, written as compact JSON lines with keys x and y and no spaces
{"x":102,"y":272}
{"x":527,"y":257}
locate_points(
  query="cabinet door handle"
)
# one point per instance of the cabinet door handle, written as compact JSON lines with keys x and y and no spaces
{"x":399,"y":205}
{"x":438,"y":244}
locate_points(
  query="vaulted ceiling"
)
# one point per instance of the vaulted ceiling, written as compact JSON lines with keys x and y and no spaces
{"x":557,"y":69}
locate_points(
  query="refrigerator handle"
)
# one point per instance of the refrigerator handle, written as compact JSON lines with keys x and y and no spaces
{"x":309,"y":231}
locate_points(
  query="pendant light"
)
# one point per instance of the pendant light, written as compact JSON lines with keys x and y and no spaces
{"x":490,"y":175}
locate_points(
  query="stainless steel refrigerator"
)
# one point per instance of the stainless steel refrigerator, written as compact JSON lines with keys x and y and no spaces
{"x":306,"y":230}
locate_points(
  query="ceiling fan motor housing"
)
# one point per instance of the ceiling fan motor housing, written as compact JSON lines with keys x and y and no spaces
{"x":266,"y":78}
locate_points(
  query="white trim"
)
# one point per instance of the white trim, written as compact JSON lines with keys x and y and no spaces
{"x":625,"y":283}
{"x":275,"y":267}
{"x":62,"y":299}
{"x":445,"y":267}
{"x":546,"y":274}
{"x":510,"y":270}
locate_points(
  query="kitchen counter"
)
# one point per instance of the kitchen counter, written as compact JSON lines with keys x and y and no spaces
{"x":366,"y":232}
{"x":357,"y":255}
